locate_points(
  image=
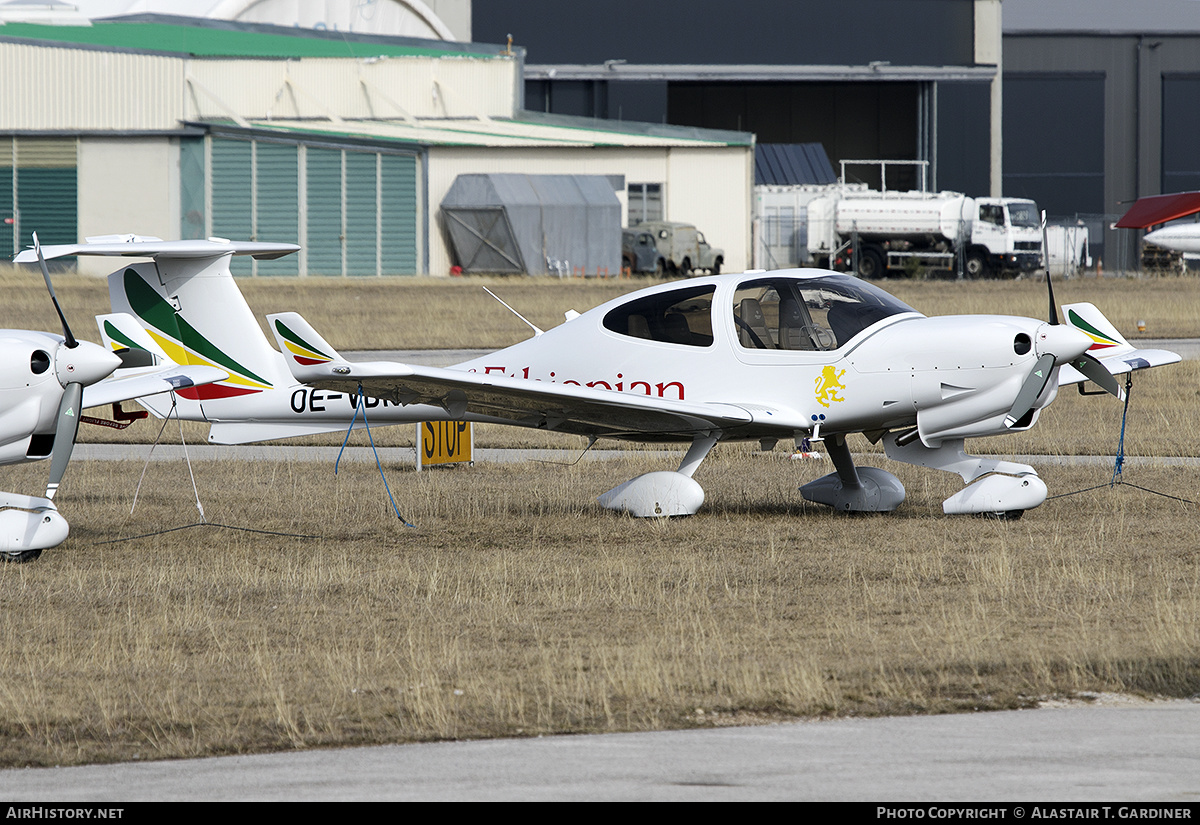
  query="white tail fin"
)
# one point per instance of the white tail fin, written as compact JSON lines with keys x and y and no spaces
{"x":194,"y":312}
{"x":1107,"y":341}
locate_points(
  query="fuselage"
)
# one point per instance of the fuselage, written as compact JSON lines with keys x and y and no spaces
{"x":1179,"y":238}
{"x":800,"y":350}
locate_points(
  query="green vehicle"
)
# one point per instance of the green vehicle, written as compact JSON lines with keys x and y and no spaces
{"x":669,"y":248}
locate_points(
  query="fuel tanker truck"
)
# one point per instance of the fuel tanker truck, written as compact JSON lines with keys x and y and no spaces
{"x":871,"y":232}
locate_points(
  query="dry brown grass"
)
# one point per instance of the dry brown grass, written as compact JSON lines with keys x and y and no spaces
{"x":517,"y":606}
{"x":439,"y":313}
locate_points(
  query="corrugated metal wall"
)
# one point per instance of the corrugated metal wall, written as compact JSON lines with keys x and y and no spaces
{"x":50,"y":88}
{"x":54,"y":88}
{"x":384,"y":88}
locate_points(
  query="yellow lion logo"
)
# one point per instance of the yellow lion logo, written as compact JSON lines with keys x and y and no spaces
{"x":828,"y":385}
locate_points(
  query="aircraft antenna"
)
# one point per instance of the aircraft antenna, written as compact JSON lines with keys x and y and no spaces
{"x":536,"y":331}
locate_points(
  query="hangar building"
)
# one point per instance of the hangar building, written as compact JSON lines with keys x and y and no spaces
{"x":177,"y":127}
{"x":1082,"y":105}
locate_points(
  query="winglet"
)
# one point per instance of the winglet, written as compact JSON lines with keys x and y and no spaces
{"x":1106,"y":340}
{"x":301,"y":345}
{"x":120,"y":331}
{"x":1109,"y":347}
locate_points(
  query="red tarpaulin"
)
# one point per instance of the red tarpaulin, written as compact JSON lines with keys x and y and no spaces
{"x":1158,"y":209}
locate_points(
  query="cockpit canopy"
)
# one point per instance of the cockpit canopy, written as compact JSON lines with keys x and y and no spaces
{"x":769,"y":311}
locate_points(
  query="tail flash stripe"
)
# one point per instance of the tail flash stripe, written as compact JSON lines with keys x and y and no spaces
{"x":208,"y":392}
{"x":1102,"y":340}
{"x":305,"y":355}
{"x":118,"y":338}
{"x":182,"y":355}
{"x":150,"y":307}
{"x":292,"y":337}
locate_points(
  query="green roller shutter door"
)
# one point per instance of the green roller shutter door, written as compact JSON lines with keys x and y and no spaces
{"x":47,"y":204}
{"x":8,"y":222}
{"x":362,"y":229}
{"x":278,"y":207}
{"x":358,"y":209}
{"x":232,"y":195}
{"x":192,"y":177}
{"x":398,"y":221}
{"x":324,"y":207}
{"x":46,"y":184}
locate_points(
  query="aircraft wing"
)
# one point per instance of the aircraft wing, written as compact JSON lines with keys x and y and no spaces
{"x":1119,"y":364}
{"x":559,"y":407}
{"x":174,"y":377}
{"x":1110,"y":348}
{"x":133,"y":246}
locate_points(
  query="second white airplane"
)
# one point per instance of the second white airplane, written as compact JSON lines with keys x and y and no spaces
{"x":751,"y":356}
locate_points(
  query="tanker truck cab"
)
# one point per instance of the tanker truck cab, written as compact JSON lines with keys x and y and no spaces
{"x":1006,"y":238}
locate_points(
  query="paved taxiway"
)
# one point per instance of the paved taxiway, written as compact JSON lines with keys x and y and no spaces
{"x":1128,"y":753}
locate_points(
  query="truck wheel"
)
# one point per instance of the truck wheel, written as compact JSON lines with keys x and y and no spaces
{"x":686,"y":269}
{"x":975,"y":265}
{"x":870,"y":263}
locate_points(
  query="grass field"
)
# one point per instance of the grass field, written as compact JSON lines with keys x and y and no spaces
{"x":517,"y":607}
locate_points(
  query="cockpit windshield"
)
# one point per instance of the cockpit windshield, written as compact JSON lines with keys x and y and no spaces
{"x":813,"y":314}
{"x":1024,"y":213}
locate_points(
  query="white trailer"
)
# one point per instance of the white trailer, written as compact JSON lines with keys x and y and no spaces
{"x":1068,"y":250}
{"x":781,"y":222}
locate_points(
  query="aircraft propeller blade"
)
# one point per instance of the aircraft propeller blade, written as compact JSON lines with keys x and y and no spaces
{"x":1046,"y":263}
{"x":65,"y":430}
{"x":71,"y":342}
{"x":1035,"y":382}
{"x":1090,"y":366}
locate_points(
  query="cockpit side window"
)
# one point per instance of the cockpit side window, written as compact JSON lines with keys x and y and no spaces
{"x":809,"y":314}
{"x":681,"y":316}
{"x":992,"y":214}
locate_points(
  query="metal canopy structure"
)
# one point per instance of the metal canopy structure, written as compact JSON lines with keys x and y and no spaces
{"x":534,"y":224}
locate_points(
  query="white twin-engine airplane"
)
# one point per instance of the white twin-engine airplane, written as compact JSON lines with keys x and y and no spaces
{"x":1183,"y":237}
{"x":753,"y":356}
{"x":46,"y":381}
